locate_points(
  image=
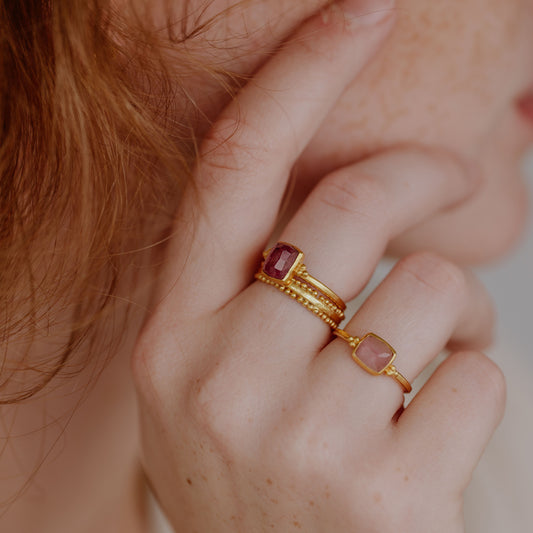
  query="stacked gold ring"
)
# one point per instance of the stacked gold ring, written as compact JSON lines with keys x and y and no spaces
{"x":283,"y":268}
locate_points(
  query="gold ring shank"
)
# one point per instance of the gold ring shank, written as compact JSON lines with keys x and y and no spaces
{"x":326,"y":312}
{"x":389,"y":370}
{"x":392,"y":371}
{"x":325,"y":301}
{"x":324,"y":289}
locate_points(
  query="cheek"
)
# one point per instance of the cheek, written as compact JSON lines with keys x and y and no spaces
{"x":488,"y":224}
{"x":447,"y":75}
{"x":482,"y":231}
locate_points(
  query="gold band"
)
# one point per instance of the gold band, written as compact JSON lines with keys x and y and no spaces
{"x":308,"y":300}
{"x":392,"y":371}
{"x":320,"y":287}
{"x":284,"y":269}
{"x":375,"y":357}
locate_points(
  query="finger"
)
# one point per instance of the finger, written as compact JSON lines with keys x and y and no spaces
{"x":246,"y":159}
{"x":346,"y":222}
{"x":450,"y":421}
{"x":344,"y":225}
{"x":423,"y":303}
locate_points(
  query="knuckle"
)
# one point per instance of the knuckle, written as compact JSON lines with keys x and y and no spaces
{"x":486,"y":379}
{"x":221,"y":132}
{"x":220,"y":413}
{"x":232,"y":145}
{"x":144,"y":364}
{"x":323,"y":35}
{"x":435,"y":274}
{"x":358,"y":196}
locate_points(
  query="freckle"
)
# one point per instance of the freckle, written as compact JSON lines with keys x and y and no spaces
{"x":312,"y":503}
{"x":406,"y":478}
{"x":269,"y":481}
{"x":377,"y":497}
{"x":297,"y":524}
{"x":273,"y":500}
{"x":454,"y":389}
{"x":204,"y":477}
{"x":189,"y":481}
{"x":284,"y":410}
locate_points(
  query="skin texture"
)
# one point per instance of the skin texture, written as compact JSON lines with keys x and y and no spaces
{"x":447,"y":76}
{"x":450,"y":75}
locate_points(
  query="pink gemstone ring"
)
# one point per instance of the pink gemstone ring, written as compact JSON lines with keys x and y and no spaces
{"x":284,"y":269}
{"x":374,"y":355}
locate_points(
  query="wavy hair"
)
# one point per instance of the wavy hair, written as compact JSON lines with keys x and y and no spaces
{"x":97,"y":138}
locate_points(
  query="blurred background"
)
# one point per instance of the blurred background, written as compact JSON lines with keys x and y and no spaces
{"x":511,"y":284}
{"x":499,"y":498}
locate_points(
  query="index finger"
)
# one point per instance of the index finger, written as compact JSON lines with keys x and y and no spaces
{"x":246,"y":159}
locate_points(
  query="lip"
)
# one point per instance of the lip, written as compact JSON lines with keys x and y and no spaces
{"x":524,"y":105}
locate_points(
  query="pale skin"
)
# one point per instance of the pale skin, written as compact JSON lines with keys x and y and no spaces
{"x":251,"y":419}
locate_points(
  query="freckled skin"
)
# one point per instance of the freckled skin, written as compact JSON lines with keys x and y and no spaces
{"x":449,"y":75}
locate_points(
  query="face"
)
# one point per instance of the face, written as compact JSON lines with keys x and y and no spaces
{"x":451,"y":75}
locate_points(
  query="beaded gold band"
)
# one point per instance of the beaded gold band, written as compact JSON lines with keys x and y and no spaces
{"x":283,"y":268}
{"x":374,"y":355}
{"x":302,"y":273}
{"x":316,"y":306}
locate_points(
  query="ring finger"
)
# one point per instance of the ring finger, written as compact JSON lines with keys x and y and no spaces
{"x":346,"y":222}
{"x":423,"y":303}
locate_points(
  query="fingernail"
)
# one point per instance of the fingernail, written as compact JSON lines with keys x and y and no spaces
{"x":366,"y":12}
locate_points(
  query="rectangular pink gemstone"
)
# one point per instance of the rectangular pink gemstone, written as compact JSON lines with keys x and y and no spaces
{"x":280,"y":260}
{"x":374,"y":353}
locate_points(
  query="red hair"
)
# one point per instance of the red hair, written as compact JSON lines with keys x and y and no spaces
{"x":91,"y":155}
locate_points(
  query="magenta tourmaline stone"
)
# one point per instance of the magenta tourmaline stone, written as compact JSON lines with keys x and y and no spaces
{"x":374,"y":353}
{"x":280,"y":260}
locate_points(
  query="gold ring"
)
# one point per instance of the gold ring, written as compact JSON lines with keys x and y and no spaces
{"x":375,"y":355}
{"x":283,"y":268}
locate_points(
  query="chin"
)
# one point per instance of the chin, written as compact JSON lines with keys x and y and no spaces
{"x":471,"y":234}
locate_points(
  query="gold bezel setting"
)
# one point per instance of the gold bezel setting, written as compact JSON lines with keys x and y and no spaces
{"x":363,"y":365}
{"x":295,"y":281}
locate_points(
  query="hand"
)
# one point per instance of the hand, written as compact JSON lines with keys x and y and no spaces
{"x":253,"y":418}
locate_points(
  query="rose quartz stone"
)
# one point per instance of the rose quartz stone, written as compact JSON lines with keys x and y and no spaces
{"x":280,"y":260}
{"x":374,"y":353}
